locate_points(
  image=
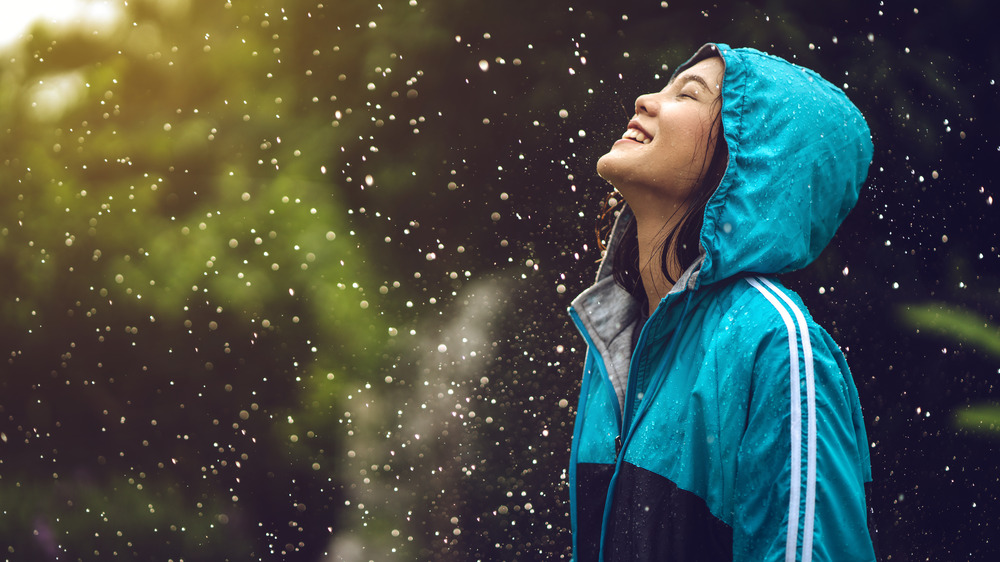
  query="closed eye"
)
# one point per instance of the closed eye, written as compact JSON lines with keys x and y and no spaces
{"x":688,"y":86}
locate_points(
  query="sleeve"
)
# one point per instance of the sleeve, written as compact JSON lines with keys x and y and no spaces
{"x":802,"y":462}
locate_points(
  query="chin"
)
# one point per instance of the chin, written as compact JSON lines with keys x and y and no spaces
{"x":606,"y":167}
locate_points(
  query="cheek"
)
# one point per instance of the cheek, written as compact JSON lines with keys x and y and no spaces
{"x":688,"y":142}
{"x":688,"y":132}
{"x":700,"y":130}
{"x":699,"y":139}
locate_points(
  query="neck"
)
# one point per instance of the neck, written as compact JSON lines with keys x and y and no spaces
{"x":651,"y":229}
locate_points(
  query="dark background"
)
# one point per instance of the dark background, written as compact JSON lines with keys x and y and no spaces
{"x":287,"y":280}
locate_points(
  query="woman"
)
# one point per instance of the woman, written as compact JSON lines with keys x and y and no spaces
{"x":717,"y":420}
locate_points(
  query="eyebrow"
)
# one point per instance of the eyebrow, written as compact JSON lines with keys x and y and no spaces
{"x":694,"y":78}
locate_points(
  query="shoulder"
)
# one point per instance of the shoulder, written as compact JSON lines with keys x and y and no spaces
{"x":760,"y":314}
{"x":762,"y":306}
{"x":772,"y":321}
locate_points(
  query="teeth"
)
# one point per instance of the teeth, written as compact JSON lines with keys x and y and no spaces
{"x":636,"y":135}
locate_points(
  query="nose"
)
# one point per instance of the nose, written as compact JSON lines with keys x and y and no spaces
{"x":646,"y":104}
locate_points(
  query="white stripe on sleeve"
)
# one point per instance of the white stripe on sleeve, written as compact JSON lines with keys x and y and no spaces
{"x":795,"y":404}
{"x":807,"y":532}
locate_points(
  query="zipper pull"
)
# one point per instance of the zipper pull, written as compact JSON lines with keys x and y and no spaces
{"x":618,"y":446}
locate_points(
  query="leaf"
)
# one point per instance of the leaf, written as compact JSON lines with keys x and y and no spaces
{"x":954,"y":323}
{"x":979,"y":418}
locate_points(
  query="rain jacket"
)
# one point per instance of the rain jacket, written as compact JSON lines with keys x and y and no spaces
{"x":733,"y":431}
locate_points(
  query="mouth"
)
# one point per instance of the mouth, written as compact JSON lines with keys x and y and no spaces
{"x":636,"y":133}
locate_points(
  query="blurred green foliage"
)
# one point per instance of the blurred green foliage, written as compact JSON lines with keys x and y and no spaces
{"x":954,"y":323}
{"x":966,"y":328}
{"x":983,"y":417}
{"x":183,"y":303}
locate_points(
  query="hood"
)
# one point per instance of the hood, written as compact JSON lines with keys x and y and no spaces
{"x":799,"y":151}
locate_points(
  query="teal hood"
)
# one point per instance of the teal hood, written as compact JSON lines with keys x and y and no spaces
{"x":799,"y":151}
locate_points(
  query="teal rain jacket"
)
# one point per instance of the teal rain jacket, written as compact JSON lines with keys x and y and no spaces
{"x":733,"y":431}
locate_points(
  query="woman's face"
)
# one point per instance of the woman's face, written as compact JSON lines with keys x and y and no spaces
{"x":666,"y":146}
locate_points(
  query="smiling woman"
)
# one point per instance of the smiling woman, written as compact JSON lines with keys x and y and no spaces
{"x":717,"y":420}
{"x":677,"y":125}
{"x":666,"y":165}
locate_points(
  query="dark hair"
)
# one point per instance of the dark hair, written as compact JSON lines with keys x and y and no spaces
{"x":684,"y":237}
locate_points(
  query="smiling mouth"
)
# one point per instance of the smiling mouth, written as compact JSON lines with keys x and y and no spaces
{"x":637,"y":135}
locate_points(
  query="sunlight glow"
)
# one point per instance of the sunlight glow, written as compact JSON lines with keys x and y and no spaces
{"x":19,"y":16}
